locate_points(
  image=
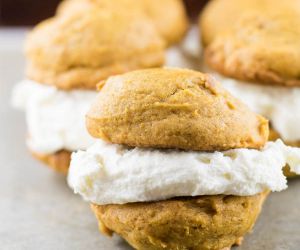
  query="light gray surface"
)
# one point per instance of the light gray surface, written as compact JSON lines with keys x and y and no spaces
{"x":38,"y":211}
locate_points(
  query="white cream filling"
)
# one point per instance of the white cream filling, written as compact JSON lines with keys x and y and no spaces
{"x":114,"y":174}
{"x":281,"y":105}
{"x":55,"y":118}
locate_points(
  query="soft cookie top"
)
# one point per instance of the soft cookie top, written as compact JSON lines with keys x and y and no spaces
{"x":173,"y":108}
{"x":168,"y":16}
{"x":88,"y":45}
{"x":220,"y":16}
{"x":262,"y":48}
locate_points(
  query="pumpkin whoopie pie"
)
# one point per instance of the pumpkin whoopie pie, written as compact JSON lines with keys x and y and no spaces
{"x":258,"y":60}
{"x":67,"y":55}
{"x":178,"y":163}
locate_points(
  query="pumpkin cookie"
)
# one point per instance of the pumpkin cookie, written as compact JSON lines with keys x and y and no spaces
{"x":163,"y":108}
{"x":245,"y":52}
{"x":79,"y":50}
{"x":195,"y":219}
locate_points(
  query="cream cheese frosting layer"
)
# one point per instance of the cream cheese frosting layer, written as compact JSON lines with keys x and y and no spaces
{"x":114,"y":174}
{"x":55,"y":118}
{"x":281,"y":105}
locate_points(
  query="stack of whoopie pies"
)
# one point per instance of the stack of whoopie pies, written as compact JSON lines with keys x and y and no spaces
{"x":253,"y":49}
{"x":67,"y":55}
{"x":167,"y":157}
{"x":178,"y":162}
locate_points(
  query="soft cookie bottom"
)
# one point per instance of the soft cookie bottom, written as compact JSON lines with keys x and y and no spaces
{"x":59,"y":161}
{"x":201,"y":223}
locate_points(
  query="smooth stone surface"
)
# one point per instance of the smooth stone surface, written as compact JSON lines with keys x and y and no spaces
{"x":39,"y":211}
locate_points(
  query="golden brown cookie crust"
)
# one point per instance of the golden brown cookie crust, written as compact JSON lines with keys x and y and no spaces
{"x":80,"y":49}
{"x":204,"y":222}
{"x":171,"y":24}
{"x":59,"y":161}
{"x":173,"y":108}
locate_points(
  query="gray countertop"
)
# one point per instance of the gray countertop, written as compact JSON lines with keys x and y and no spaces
{"x":39,"y":211}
